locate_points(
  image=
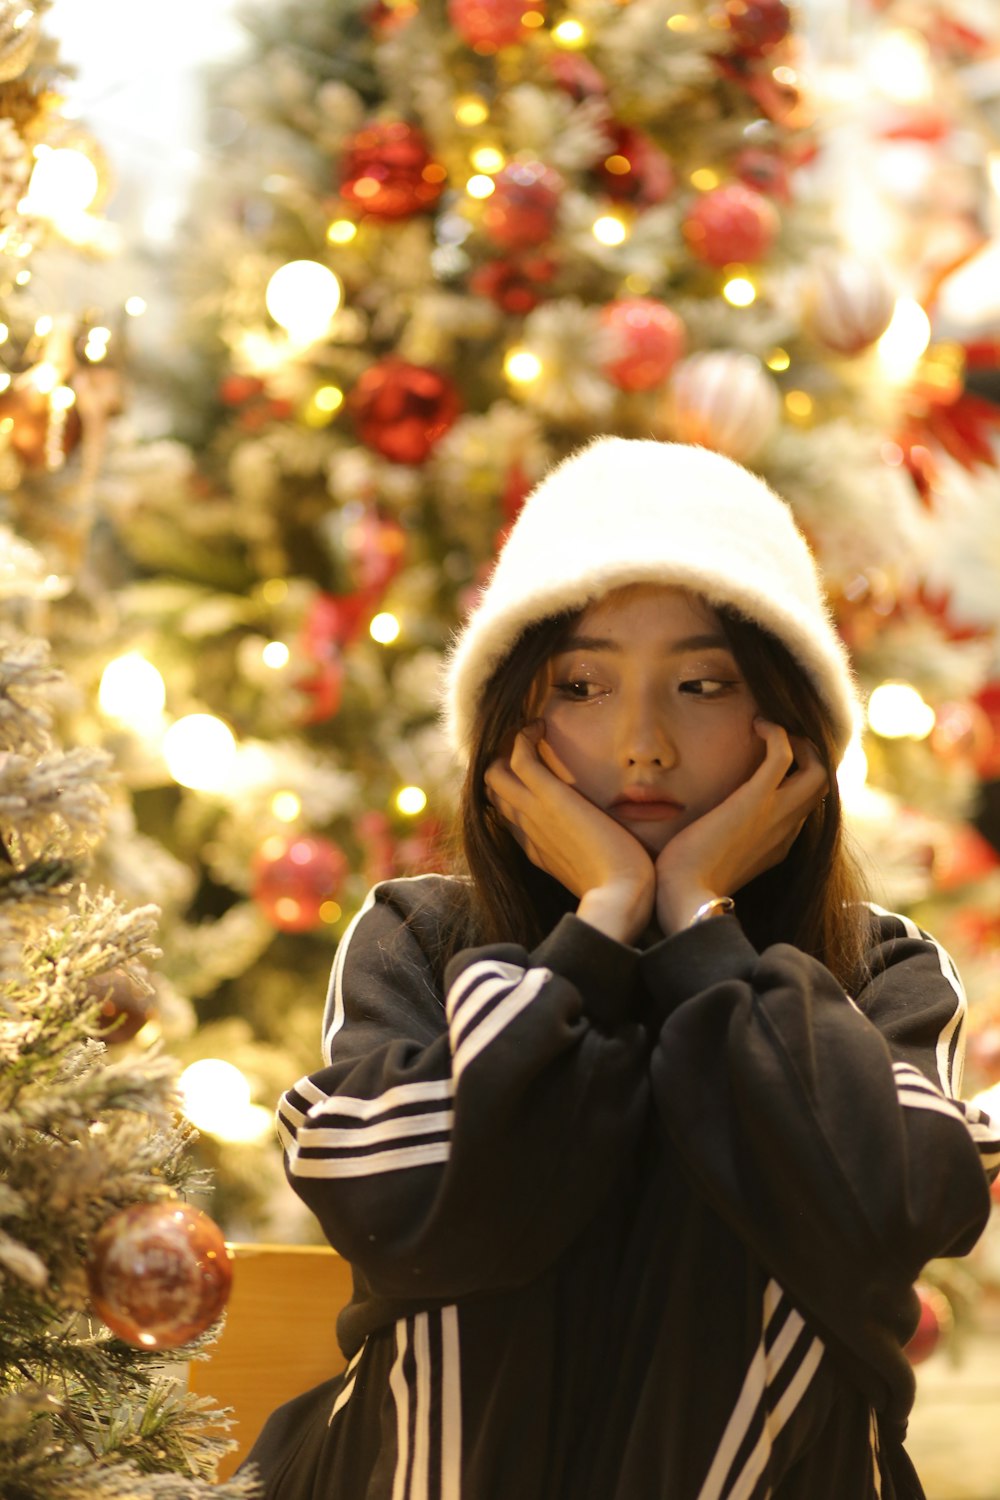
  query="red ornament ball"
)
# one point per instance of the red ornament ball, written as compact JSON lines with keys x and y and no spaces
{"x":635,"y":170}
{"x":374,"y":545}
{"x":764,"y":171}
{"x":402,"y":410}
{"x":159,"y":1274}
{"x":40,"y":437}
{"x":730,"y":223}
{"x":488,"y":25}
{"x":294,"y":876}
{"x":523,"y":208}
{"x":124,"y":1005}
{"x":648,"y":339}
{"x":757,"y":26}
{"x":514,"y":283}
{"x":935,"y":1321}
{"x":388,"y":171}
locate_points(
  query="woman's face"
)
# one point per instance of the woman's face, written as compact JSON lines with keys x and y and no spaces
{"x":648,"y":711}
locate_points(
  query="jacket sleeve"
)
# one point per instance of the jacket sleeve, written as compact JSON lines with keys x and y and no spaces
{"x":823,"y":1129}
{"x":458,"y":1142}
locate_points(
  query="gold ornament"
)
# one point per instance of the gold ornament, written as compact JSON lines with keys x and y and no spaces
{"x":19,"y":32}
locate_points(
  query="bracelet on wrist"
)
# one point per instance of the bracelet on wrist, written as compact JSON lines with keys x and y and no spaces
{"x":719,"y":906}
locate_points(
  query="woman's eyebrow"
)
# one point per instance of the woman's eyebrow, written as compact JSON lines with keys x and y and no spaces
{"x":675,"y":648}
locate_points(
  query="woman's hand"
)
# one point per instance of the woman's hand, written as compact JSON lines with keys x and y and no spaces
{"x":748,"y":833}
{"x":562,"y":833}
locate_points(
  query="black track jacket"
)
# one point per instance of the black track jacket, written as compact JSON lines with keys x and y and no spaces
{"x":625,"y":1225}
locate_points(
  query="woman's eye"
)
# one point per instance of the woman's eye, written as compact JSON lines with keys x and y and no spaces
{"x":577,"y":689}
{"x":707,"y":687}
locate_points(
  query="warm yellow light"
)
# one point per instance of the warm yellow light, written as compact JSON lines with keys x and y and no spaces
{"x":329,"y":398}
{"x":609,"y":230}
{"x":905,"y":339}
{"x":739,"y":291}
{"x":341,"y":232}
{"x":23,"y":277}
{"x":276,"y":655}
{"x":4,"y":333}
{"x":62,"y":398}
{"x":45,"y":377}
{"x":704,"y":179}
{"x":778,"y":360}
{"x":215,"y":1097}
{"x":63,"y":182}
{"x":200,"y":752}
{"x":569,"y":33}
{"x":852,"y":773}
{"x":135,"y":307}
{"x":470,"y":110}
{"x":96,"y":352}
{"x":99,"y":336}
{"x":286,"y":806}
{"x":302,"y":297}
{"x":44,"y":326}
{"x":682,"y":22}
{"x":799,"y":404}
{"x":899,"y":64}
{"x":533,"y":19}
{"x":488,"y":159}
{"x":275,"y":590}
{"x":480,"y":186}
{"x":896,"y":711}
{"x":384,"y":628}
{"x":4,"y":384}
{"x":330,"y":911}
{"x":132,"y":690}
{"x":522,"y":366}
{"x":411,"y":800}
{"x":637,"y":284}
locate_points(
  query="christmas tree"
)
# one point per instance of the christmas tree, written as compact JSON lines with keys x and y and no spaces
{"x":439,"y":246}
{"x":106,"y":1272}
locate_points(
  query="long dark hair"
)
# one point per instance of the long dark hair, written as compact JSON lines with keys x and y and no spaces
{"x":813,"y":899}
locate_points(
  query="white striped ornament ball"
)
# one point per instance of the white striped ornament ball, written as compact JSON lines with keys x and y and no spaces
{"x":848,"y":303}
{"x":724,"y":400}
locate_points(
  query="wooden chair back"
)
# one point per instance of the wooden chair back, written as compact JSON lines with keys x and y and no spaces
{"x":279,"y":1336}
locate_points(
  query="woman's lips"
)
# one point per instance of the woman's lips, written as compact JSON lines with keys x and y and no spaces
{"x":645,"y":809}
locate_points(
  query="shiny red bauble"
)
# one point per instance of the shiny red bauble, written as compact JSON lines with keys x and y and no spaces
{"x":730,"y":224}
{"x":635,"y":170}
{"x":294,"y":875}
{"x":159,"y":1274}
{"x":388,"y":172}
{"x":124,"y":1005}
{"x":647,"y":340}
{"x":756,"y":26}
{"x":488,"y":25}
{"x":515,"y":284}
{"x":524,"y":206}
{"x":40,"y":437}
{"x":401,"y":410}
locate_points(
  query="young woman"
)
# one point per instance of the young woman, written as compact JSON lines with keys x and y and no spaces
{"x":638,"y":1132}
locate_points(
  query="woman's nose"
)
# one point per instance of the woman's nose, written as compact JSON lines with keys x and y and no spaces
{"x":647,"y":740}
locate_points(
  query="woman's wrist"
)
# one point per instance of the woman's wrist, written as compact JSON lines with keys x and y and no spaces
{"x":679,"y":909}
{"x":619,"y":913}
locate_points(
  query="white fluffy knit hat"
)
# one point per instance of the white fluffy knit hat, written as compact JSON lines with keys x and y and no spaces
{"x":625,"y":511}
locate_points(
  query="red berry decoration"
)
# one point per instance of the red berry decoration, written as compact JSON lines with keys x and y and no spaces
{"x":648,"y":340}
{"x":764,"y":171}
{"x":488,"y":25}
{"x":159,"y":1274}
{"x":514,"y":284}
{"x":402,"y":410}
{"x":731,"y":223}
{"x":935,"y":1321}
{"x":124,"y":1005}
{"x":522,"y":210}
{"x":757,"y":26}
{"x":294,"y":876}
{"x":388,"y":171}
{"x":635,"y":170}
